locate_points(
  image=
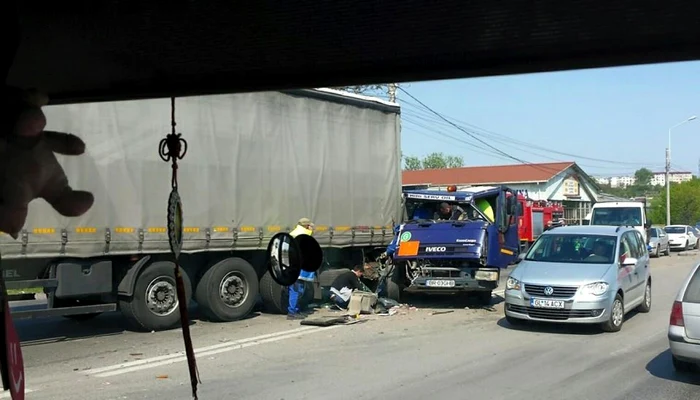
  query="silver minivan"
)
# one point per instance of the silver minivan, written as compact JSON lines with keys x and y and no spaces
{"x":684,"y":326}
{"x":581,"y":274}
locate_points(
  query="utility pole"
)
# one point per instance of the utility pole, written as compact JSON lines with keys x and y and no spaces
{"x":668,"y":181}
{"x":668,"y":169}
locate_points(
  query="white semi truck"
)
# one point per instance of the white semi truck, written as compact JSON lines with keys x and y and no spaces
{"x":255,"y":164}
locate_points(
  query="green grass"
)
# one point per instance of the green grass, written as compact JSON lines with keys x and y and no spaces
{"x":14,"y":292}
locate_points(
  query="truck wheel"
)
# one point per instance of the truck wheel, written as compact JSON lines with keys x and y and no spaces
{"x":154,"y":304}
{"x":275,"y":297}
{"x":395,"y":285}
{"x":228,"y":290}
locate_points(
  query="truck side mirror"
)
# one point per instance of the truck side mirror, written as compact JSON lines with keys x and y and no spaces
{"x":647,"y":225}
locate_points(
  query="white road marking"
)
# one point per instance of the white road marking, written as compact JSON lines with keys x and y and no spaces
{"x":153,"y":362}
{"x":6,"y":394}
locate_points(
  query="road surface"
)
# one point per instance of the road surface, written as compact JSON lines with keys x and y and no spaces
{"x":466,"y":353}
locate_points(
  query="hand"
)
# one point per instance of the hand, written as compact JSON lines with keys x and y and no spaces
{"x":28,"y":166}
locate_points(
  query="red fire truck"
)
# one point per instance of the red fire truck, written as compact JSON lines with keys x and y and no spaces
{"x":534,"y":215}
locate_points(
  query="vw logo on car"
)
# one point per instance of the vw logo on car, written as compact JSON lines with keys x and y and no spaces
{"x":548,"y":291}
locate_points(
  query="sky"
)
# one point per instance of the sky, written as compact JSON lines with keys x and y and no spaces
{"x":618,"y":116}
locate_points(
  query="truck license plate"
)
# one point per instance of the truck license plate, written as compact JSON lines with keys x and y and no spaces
{"x":545,"y":303}
{"x":440,"y":283}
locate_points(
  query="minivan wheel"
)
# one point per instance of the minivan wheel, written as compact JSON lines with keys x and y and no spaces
{"x":668,"y":250}
{"x":645,"y":307}
{"x":657,"y":252}
{"x":617,"y":316}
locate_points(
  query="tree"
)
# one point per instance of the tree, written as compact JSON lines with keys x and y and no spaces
{"x":412,"y":163}
{"x":433,"y":161}
{"x":685,"y":204}
{"x":643,"y":177}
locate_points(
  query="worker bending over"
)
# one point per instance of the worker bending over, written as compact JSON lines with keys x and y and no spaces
{"x":343,"y":286}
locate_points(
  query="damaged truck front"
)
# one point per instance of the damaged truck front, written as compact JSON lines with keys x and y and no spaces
{"x":462,"y":254}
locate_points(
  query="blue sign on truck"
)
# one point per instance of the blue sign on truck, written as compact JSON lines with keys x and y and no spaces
{"x":454,"y":241}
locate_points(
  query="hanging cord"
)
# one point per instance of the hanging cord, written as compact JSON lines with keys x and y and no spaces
{"x":171,"y":149}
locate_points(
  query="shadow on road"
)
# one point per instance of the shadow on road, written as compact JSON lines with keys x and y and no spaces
{"x":553,"y":328}
{"x":57,"y":329}
{"x":662,"y":367}
{"x":448,"y":302}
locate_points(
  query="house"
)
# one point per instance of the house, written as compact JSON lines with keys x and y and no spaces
{"x":563,"y":182}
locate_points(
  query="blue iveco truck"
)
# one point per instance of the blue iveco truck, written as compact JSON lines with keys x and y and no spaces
{"x":454,"y":241}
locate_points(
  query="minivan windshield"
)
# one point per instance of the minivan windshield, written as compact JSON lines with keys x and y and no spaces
{"x":675,"y":229}
{"x":617,"y":216}
{"x":573,"y":248}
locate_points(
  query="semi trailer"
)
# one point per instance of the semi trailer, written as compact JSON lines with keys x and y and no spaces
{"x":256,"y":163}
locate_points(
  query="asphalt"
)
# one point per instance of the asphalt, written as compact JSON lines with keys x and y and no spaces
{"x":468,"y":352}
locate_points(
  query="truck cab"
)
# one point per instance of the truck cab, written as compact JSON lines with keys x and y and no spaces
{"x":460,"y":254}
{"x":625,"y":213}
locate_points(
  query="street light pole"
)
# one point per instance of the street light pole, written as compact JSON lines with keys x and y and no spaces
{"x":668,"y":169}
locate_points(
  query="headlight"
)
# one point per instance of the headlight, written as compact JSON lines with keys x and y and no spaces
{"x":596,"y":288}
{"x":512,"y":284}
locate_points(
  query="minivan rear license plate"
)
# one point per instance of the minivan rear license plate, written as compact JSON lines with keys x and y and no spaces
{"x":440,"y":283}
{"x":546,"y":303}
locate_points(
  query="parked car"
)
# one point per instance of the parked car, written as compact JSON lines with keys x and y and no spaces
{"x":681,"y":237}
{"x":581,"y":274}
{"x":684,"y":326}
{"x":696,"y":233}
{"x":658,"y":242}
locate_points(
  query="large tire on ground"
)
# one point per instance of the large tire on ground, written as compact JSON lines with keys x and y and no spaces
{"x":154,"y":304}
{"x":617,"y":316}
{"x":395,"y":285}
{"x":228,"y":290}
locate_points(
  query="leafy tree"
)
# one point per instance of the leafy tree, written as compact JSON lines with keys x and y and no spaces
{"x":643,"y":177}
{"x":412,"y":163}
{"x":685,"y":204}
{"x":433,"y":161}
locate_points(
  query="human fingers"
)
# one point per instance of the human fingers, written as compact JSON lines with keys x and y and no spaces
{"x":71,"y":203}
{"x":64,"y":143}
{"x":12,"y":219}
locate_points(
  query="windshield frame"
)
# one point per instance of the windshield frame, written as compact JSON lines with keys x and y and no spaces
{"x":549,"y":239}
{"x":467,"y":206}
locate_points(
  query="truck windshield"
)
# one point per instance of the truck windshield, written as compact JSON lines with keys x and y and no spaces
{"x":427,"y":209}
{"x":572,"y":248}
{"x":617,"y":216}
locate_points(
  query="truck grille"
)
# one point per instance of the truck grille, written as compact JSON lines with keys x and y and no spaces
{"x":554,"y":315}
{"x":559,"y":291}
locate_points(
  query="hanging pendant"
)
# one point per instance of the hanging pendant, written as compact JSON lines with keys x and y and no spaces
{"x":175,"y":223}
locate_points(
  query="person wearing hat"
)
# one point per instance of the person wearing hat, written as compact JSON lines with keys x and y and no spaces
{"x":296,"y":290}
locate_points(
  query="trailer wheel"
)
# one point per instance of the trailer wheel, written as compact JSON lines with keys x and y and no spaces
{"x":154,"y":304}
{"x":228,"y":290}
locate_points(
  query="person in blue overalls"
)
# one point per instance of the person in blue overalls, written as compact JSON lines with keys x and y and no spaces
{"x":296,"y":290}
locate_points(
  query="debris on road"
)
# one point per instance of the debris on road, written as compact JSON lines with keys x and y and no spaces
{"x":162,"y":377}
{"x":441,"y":312}
{"x":402,"y":309}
